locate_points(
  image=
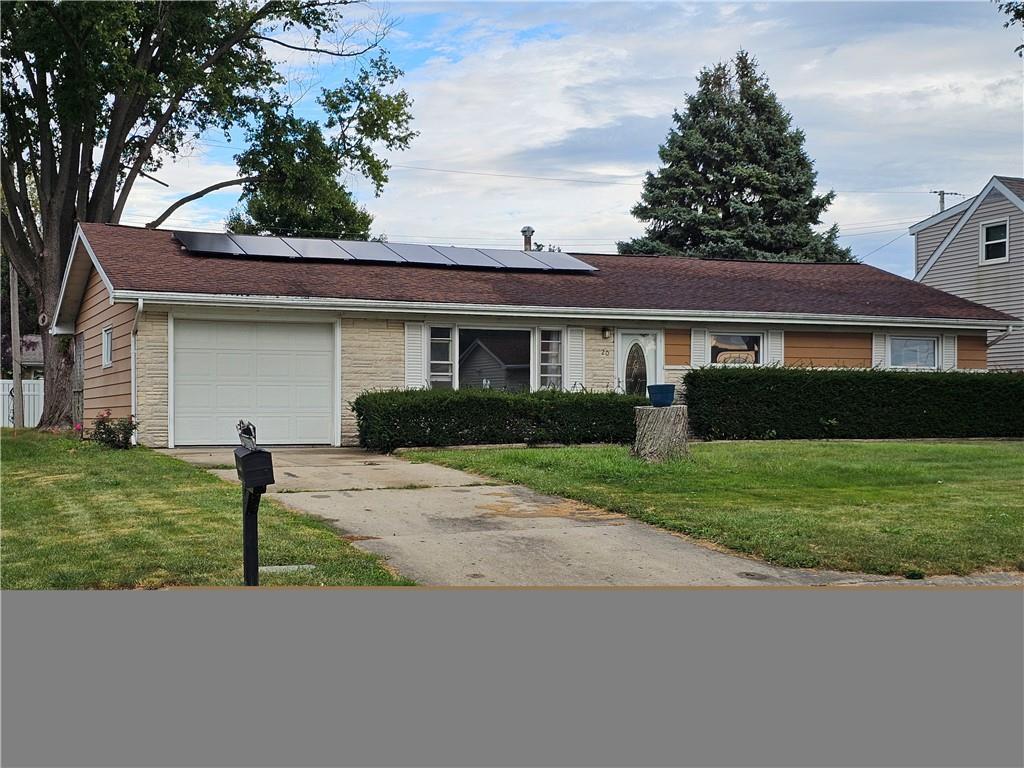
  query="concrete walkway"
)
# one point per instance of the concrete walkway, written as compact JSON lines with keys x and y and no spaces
{"x":442,"y":526}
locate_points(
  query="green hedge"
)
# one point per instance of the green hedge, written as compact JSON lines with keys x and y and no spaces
{"x":390,"y":419}
{"x":799,"y":403}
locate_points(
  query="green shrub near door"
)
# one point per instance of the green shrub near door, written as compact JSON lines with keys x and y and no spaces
{"x":800,"y":403}
{"x":390,"y":419}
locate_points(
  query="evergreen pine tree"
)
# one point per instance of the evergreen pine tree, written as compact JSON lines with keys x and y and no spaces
{"x":735,"y":181}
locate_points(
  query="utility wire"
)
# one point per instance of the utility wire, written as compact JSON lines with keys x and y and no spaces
{"x":885,"y":245}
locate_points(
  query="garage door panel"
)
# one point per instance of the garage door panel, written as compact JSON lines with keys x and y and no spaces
{"x":278,"y":375}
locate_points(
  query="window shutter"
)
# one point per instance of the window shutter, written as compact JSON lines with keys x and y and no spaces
{"x":415,"y":359}
{"x":698,"y":347}
{"x":575,"y":360}
{"x":775,"y":353}
{"x":878,"y":344}
{"x":948,"y":351}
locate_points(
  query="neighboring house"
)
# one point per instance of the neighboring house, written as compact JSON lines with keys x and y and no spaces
{"x":32,"y":356}
{"x":192,"y":339}
{"x":976,"y":250}
{"x":494,"y":360}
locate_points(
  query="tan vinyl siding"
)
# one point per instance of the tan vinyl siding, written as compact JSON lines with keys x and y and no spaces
{"x":971,"y":352}
{"x":109,"y":387}
{"x":823,"y":349}
{"x":677,"y":346}
{"x":1000,"y":286}
{"x":927,"y":240}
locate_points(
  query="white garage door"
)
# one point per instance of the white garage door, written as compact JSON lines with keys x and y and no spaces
{"x":280,"y":376}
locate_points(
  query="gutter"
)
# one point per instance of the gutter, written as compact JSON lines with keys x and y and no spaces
{"x":135,"y":331}
{"x":571,"y":313}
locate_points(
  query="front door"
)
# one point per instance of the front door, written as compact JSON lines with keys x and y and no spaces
{"x":636,"y":361}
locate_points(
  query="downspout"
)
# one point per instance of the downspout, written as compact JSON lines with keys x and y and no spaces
{"x":1009,"y":329}
{"x":135,"y":330}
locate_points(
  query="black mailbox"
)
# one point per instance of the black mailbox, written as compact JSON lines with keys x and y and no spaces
{"x":255,"y":467}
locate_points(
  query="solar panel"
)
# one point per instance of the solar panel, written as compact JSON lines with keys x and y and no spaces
{"x":259,"y":245}
{"x":514,"y":259}
{"x":467,"y":257}
{"x":369,"y":251}
{"x":563,"y":261}
{"x":420,"y":254}
{"x":314,"y":248}
{"x":207,"y":242}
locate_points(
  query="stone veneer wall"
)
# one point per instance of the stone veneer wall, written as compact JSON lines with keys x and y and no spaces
{"x":151,"y":379}
{"x":600,"y":360}
{"x":372,"y":357}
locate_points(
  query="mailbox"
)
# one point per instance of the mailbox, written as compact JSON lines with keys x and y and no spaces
{"x":255,"y":467}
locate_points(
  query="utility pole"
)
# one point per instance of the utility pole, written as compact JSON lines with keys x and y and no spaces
{"x":942,"y":197}
{"x":19,"y":405}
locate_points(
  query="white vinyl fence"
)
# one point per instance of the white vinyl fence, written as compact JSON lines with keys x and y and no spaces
{"x":32,"y":391}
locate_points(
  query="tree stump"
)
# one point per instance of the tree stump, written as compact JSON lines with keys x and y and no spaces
{"x":660,"y":432}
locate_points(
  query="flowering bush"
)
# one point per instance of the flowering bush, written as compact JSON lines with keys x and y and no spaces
{"x":113,"y":433}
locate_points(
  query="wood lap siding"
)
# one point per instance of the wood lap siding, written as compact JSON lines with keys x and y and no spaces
{"x":827,"y":349}
{"x":971,"y":352}
{"x":109,"y":387}
{"x":677,"y":347}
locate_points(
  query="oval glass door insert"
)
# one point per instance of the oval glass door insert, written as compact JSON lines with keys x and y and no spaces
{"x":636,"y":371}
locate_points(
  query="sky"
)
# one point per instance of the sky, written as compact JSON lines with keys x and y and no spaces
{"x":896,"y":99}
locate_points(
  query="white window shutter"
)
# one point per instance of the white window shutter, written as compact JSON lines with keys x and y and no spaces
{"x":415,"y":357}
{"x":575,"y":360}
{"x":775,"y":354}
{"x":878,"y":352}
{"x":698,"y":347}
{"x":948,"y":351}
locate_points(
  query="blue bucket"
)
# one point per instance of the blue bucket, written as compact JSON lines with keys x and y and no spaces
{"x":661,"y":395}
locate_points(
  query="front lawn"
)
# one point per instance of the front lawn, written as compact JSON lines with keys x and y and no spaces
{"x":876,"y":507}
{"x":77,"y":516}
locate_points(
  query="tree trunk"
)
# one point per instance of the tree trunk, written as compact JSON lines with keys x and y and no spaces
{"x":58,"y":365}
{"x":661,"y":433}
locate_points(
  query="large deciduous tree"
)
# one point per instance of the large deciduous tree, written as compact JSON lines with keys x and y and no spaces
{"x":96,"y":95}
{"x":735,"y":181}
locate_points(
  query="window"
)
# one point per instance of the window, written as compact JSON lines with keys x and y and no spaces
{"x":907,"y":352}
{"x":108,"y":347}
{"x":494,"y":359}
{"x":994,"y":241}
{"x":735,"y":348}
{"x":550,"y":359}
{"x":441,"y":366}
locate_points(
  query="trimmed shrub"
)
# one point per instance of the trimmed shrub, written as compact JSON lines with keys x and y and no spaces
{"x":800,"y":403}
{"x":390,"y":419}
{"x":113,"y":433}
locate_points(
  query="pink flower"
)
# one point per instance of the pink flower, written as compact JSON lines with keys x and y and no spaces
{"x":78,"y":427}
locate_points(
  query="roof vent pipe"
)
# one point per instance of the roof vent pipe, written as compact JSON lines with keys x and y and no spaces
{"x":527,"y":238}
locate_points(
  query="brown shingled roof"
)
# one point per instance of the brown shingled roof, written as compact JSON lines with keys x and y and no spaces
{"x":153,"y":261}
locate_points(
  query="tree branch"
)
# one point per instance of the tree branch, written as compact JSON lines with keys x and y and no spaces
{"x":339,"y":54}
{"x":196,"y":195}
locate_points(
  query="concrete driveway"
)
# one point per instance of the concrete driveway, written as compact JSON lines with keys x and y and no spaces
{"x":442,"y":526}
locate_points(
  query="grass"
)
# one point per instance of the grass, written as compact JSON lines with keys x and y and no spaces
{"x":878,"y":507}
{"x":79,"y":516}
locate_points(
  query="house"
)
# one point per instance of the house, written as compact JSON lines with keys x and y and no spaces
{"x":191,"y":332}
{"x":976,"y":250}
{"x":31,"y":356}
{"x":495,"y":359}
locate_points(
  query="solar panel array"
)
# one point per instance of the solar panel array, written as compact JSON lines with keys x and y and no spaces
{"x":263,"y":246}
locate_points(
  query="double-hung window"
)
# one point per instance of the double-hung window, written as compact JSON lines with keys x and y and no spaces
{"x":735,"y":348}
{"x":913,"y":352}
{"x":108,"y":347}
{"x":551,"y":359}
{"x":442,"y":365}
{"x":995,"y":238}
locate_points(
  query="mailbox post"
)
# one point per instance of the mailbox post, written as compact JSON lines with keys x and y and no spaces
{"x":255,"y":468}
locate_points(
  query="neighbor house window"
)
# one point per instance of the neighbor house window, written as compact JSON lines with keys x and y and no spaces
{"x":735,"y":348}
{"x":909,"y":352}
{"x":441,"y":360}
{"x":494,"y":359}
{"x":108,"y":347}
{"x":994,"y":241}
{"x":550,"y":359}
